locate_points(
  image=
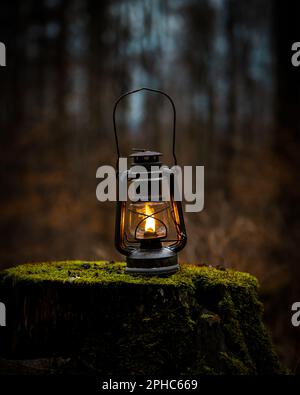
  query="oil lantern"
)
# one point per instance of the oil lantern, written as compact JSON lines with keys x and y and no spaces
{"x":149,"y":229}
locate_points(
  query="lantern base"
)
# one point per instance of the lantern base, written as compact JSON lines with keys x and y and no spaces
{"x":156,"y":262}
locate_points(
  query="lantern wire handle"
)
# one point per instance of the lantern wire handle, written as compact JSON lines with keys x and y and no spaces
{"x":149,"y":90}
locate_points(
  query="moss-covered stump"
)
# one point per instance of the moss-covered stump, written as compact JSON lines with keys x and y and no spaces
{"x":91,"y":317}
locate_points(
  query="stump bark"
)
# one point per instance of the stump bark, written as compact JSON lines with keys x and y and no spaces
{"x":92,"y":318}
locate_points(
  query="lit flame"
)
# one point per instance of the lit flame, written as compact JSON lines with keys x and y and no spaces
{"x":150,"y":221}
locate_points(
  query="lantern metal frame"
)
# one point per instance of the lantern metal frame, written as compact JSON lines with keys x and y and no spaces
{"x":152,"y":256}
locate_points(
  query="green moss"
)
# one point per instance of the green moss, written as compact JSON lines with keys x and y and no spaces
{"x":200,"y":320}
{"x":234,"y":365}
{"x":104,"y":272}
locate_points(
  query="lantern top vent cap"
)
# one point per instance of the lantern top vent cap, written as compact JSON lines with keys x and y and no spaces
{"x":141,"y":156}
{"x":144,"y":152}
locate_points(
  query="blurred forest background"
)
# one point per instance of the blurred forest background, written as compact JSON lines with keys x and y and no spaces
{"x":226,"y":63}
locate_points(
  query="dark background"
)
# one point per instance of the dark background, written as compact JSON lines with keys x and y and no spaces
{"x":227,"y":65}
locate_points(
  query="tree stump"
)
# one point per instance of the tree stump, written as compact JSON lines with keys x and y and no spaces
{"x":92,"y":318}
